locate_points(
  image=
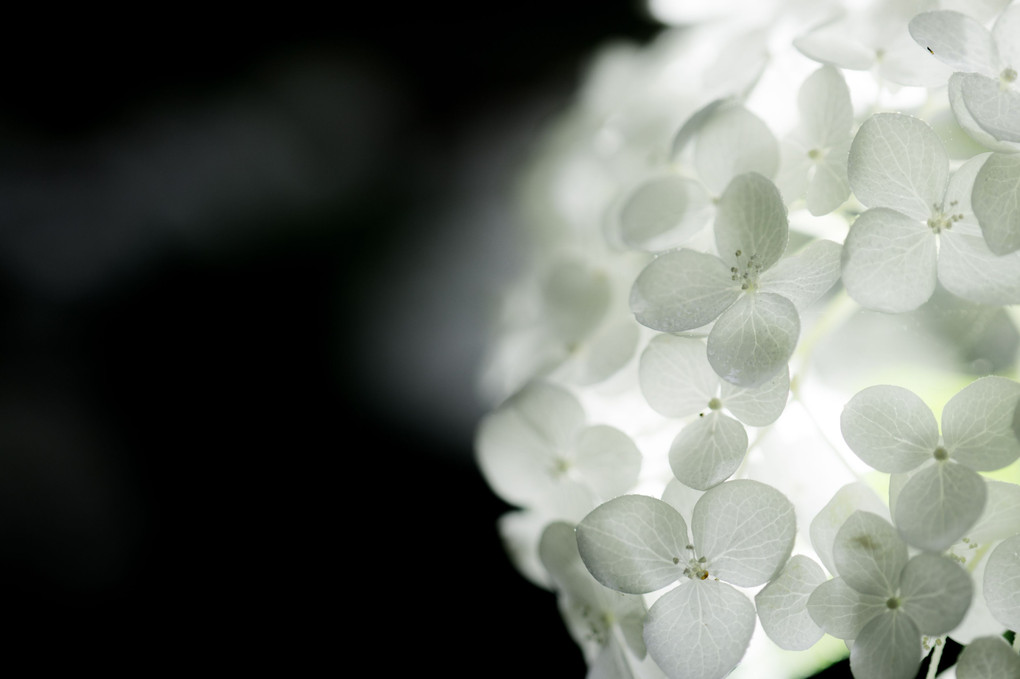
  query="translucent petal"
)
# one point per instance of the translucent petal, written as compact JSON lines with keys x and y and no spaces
{"x":890,"y":428}
{"x":994,"y":108}
{"x":1002,"y":582}
{"x":634,"y":544}
{"x":967,"y":267}
{"x":700,"y":630}
{"x":751,"y":219}
{"x":869,"y":554}
{"x":576,"y":297}
{"x":939,"y":504}
{"x":977,"y":424}
{"x":682,"y":290}
{"x":996,"y":204}
{"x":826,"y":112}
{"x":675,"y":376}
{"x":889,"y":647}
{"x":708,"y":450}
{"x":889,"y":261}
{"x":557,"y":549}
{"x":682,"y":498}
{"x":841,"y":610}
{"x":794,"y":165}
{"x":805,"y":276}
{"x":826,"y":524}
{"x":606,"y":460}
{"x":603,"y":354}
{"x":834,"y":44}
{"x":757,"y":406}
{"x":753,"y":340}
{"x":782,"y":605}
{"x":829,"y":186}
{"x":906,"y":63}
{"x":745,"y":529}
{"x":956,"y":40}
{"x":935,"y":592}
{"x":1006,"y":33}
{"x":519,"y":442}
{"x":1002,"y":513}
{"x":663,"y":213}
{"x":967,"y":121}
{"x":988,"y":657}
{"x":731,"y":142}
{"x":689,"y":130}
{"x":897,"y":161}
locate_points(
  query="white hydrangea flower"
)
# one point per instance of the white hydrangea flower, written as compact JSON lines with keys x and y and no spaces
{"x":884,"y":600}
{"x":920,"y":227}
{"x":742,"y":534}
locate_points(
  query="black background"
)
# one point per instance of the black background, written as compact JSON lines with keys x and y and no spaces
{"x":241,"y":308}
{"x":223,"y":436}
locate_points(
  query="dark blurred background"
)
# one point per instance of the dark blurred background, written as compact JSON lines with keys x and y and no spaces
{"x":244,"y":267}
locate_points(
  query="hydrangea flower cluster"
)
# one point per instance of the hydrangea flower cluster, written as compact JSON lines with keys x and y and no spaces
{"x":765,"y":252}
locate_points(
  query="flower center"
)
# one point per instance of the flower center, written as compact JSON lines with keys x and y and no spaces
{"x":941,"y":454}
{"x":941,"y":219}
{"x":746,"y":271}
{"x":815,"y":154}
{"x":1007,"y":76}
{"x":697,"y":568}
{"x":715,"y":404}
{"x":893,"y":603}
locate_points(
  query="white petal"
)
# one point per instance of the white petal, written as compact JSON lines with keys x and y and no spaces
{"x":977,"y":424}
{"x":897,"y":161}
{"x":889,"y":647}
{"x":745,"y":529}
{"x":996,"y":204}
{"x":634,"y":544}
{"x":1006,"y":33}
{"x":782,"y":605}
{"x":675,"y":376}
{"x":889,"y":261}
{"x":829,"y":186}
{"x":957,"y":40}
{"x":935,"y":592}
{"x":731,"y":142}
{"x":805,"y":276}
{"x":557,"y":549}
{"x":826,"y":112}
{"x":753,"y":340}
{"x":663,"y":213}
{"x":682,"y":290}
{"x":835,"y":44}
{"x":869,"y":554}
{"x":994,"y":108}
{"x":757,"y":406}
{"x":1002,"y":582}
{"x":988,"y":657}
{"x":1002,"y":513}
{"x":968,"y":123}
{"x":708,"y":450}
{"x":939,"y":504}
{"x":751,"y":219}
{"x":841,"y":610}
{"x":519,"y":442}
{"x":826,"y":524}
{"x":606,"y":460}
{"x":700,"y":630}
{"x":890,"y":428}
{"x":576,"y":296}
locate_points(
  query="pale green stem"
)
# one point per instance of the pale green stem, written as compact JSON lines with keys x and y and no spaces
{"x":936,"y":656}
